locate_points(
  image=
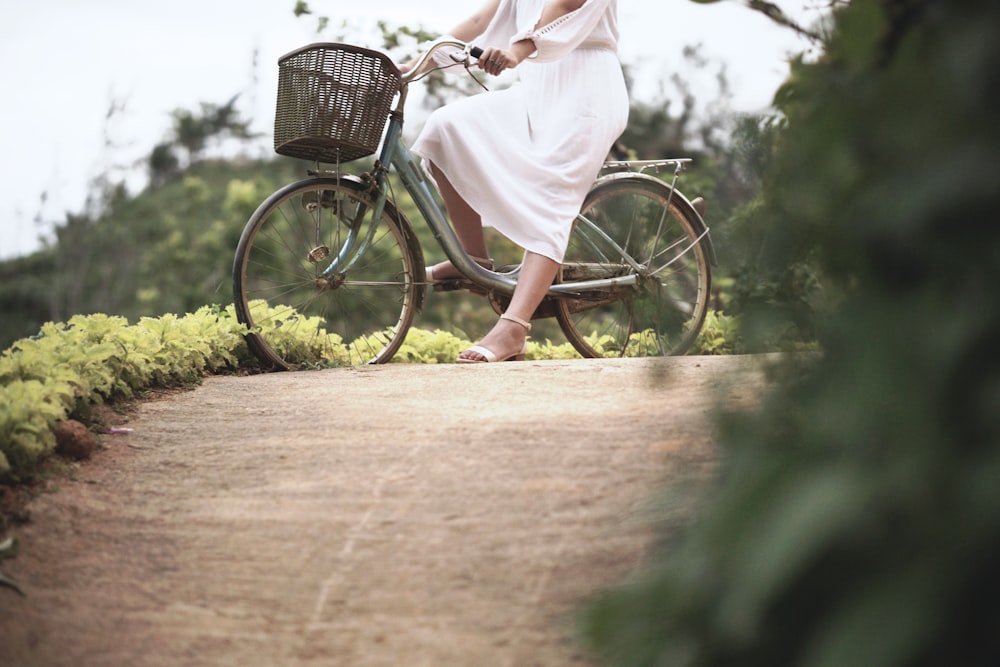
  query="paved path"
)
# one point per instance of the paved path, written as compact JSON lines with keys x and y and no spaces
{"x":395,"y":515}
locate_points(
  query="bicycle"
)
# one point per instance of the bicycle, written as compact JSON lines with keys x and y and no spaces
{"x":328,"y":267}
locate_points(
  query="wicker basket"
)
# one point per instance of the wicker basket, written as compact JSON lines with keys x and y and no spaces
{"x":333,"y":102}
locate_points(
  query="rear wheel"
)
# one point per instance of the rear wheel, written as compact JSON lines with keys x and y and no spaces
{"x":309,"y":288}
{"x":662,"y":306}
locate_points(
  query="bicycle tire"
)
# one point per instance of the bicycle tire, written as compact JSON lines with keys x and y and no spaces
{"x":663,"y":312}
{"x":299,"y":318}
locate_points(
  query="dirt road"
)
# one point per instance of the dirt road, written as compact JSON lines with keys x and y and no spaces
{"x":395,"y":515}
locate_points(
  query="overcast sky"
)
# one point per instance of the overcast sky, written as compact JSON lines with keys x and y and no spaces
{"x":67,"y":62}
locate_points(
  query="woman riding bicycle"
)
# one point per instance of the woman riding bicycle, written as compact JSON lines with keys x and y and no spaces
{"x":522,"y":159}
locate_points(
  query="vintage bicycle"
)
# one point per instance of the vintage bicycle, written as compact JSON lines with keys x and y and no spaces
{"x":329,"y":268}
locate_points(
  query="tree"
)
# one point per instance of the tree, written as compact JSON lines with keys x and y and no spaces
{"x":192,"y":132}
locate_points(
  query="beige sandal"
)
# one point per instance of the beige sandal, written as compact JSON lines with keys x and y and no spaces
{"x":489,"y":356}
{"x":484,"y":262}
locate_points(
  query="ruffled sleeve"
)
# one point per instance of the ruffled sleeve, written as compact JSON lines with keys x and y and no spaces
{"x":503,"y":25}
{"x":555,"y":40}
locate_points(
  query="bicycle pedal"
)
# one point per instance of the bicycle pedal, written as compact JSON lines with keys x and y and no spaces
{"x":447,"y":285}
{"x":458,"y":285}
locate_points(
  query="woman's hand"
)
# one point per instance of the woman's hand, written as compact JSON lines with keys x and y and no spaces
{"x":495,"y":61}
{"x":410,"y":64}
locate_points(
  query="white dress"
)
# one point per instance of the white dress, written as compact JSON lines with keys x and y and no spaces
{"x":525,"y":157}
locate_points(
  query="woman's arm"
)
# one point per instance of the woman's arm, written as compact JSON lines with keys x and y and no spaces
{"x":495,"y":61}
{"x":475,"y":24}
{"x":467,"y":29}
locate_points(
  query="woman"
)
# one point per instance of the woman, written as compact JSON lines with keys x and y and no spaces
{"x":522,"y":159}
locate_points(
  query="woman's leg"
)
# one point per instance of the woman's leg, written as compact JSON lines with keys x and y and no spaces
{"x":507,"y":337}
{"x":533,"y":282}
{"x":467,"y":223}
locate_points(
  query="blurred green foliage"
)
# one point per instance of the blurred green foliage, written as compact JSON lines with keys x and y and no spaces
{"x":855,"y":519}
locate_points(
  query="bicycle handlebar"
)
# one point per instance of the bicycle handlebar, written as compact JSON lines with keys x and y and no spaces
{"x":440,"y":43}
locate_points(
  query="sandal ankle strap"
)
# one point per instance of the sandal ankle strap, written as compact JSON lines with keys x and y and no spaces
{"x":515,"y":318}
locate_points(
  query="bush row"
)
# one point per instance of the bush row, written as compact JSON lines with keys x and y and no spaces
{"x":67,"y":368}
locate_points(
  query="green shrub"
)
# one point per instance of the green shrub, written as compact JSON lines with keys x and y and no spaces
{"x":856,"y":517}
{"x":719,"y":335}
{"x":69,"y":367}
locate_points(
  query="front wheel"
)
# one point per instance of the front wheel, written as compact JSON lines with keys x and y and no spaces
{"x":639,"y":231}
{"x":317,"y":285}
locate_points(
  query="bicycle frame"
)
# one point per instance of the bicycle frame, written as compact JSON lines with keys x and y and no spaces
{"x":394,"y":152}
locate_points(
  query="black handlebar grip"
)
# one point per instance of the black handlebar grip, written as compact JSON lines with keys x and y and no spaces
{"x":476,"y":52}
